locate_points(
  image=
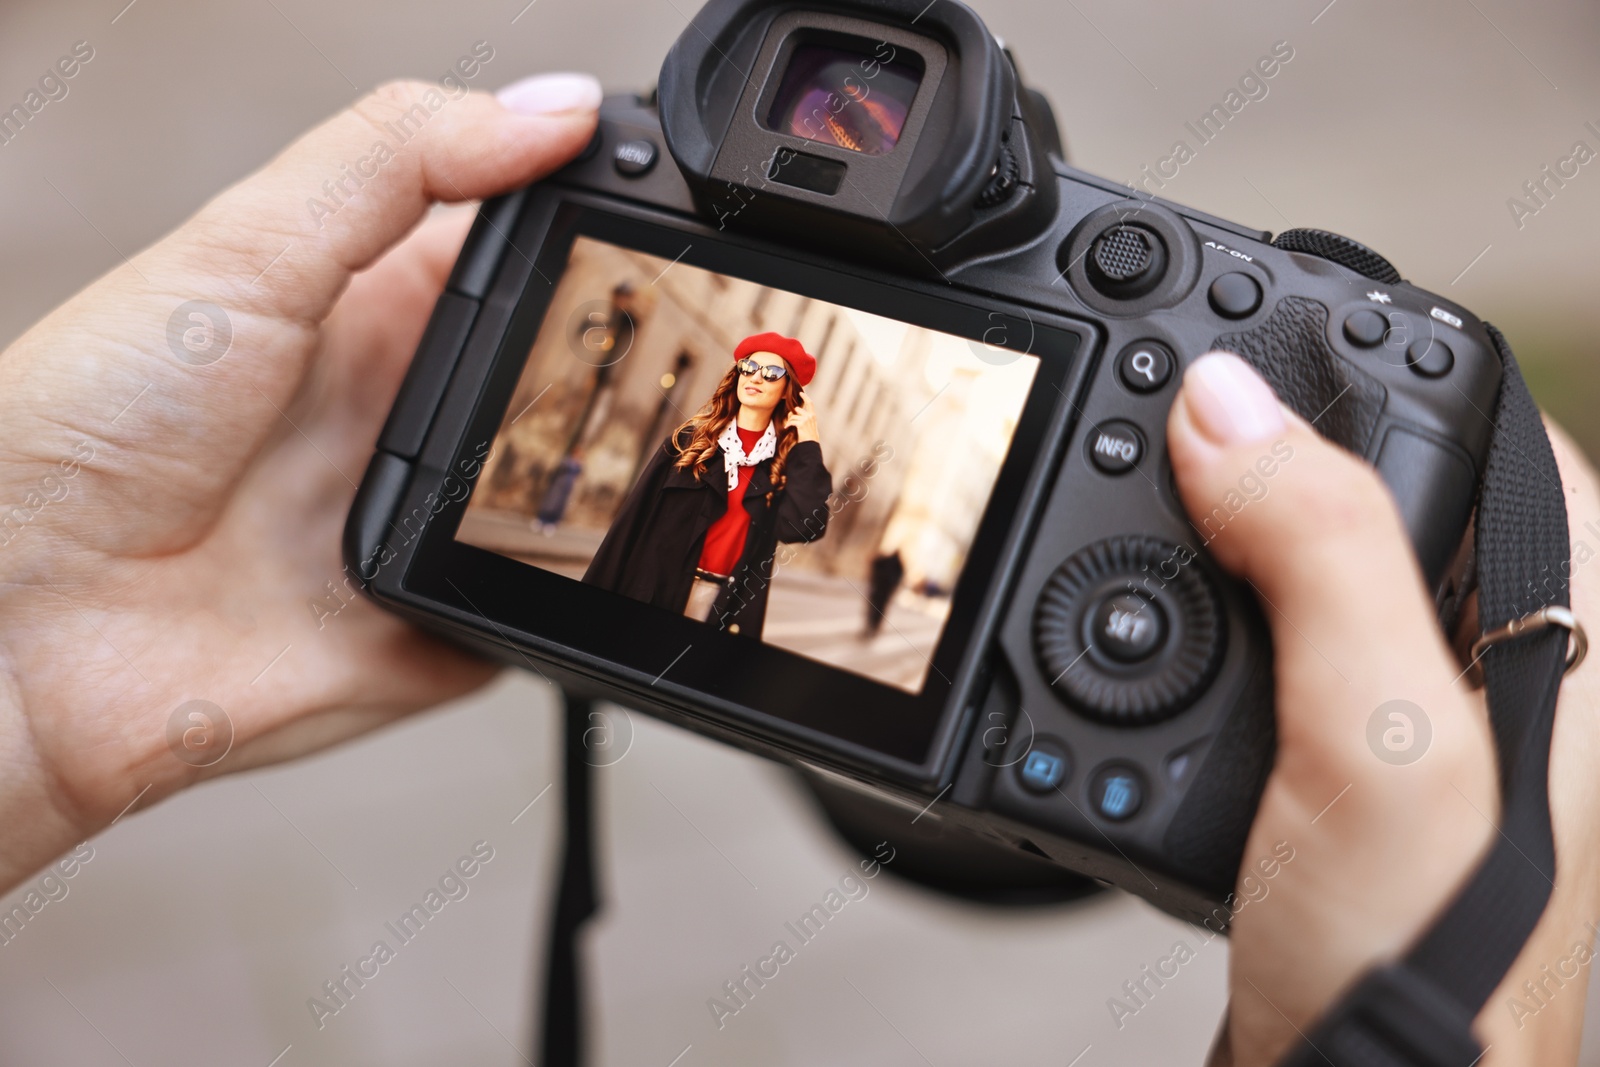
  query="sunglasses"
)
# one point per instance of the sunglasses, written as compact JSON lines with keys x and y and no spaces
{"x":769,"y":373}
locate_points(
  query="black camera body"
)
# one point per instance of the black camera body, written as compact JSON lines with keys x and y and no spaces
{"x":1097,"y":692}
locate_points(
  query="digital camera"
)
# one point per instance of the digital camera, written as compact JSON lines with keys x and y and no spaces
{"x":820,"y":407}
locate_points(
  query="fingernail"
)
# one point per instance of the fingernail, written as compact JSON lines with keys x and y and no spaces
{"x":1229,"y":401}
{"x":551,"y":94}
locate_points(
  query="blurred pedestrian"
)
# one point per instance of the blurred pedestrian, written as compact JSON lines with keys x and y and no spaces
{"x":553,"y":505}
{"x":885,"y":576}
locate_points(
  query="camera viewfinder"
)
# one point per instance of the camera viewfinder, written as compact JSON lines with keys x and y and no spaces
{"x":840,"y":96}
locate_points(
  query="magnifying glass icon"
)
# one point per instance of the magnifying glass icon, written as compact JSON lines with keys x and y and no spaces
{"x":1144,"y":363}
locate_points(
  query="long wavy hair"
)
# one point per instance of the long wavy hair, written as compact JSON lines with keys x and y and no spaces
{"x":707,"y":424}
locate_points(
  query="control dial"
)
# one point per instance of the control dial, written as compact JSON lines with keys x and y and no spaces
{"x":1129,"y":630}
{"x":1341,"y":250}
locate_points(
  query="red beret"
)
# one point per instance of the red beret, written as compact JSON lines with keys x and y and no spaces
{"x":803,"y":363}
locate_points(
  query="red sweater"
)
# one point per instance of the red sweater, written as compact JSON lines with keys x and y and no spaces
{"x":725,"y":539}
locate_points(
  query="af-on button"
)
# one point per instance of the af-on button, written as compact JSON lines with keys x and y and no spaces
{"x":1235,"y":296}
{"x":1115,"y":447}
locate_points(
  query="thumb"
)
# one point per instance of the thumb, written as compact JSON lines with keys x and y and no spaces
{"x":288,"y":238}
{"x":1313,"y":530}
{"x":1372,"y":730}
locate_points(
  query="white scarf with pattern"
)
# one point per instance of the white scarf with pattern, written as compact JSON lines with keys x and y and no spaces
{"x":734,"y":455}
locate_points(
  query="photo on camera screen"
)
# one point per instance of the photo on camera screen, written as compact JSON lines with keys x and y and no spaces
{"x":863,"y":457}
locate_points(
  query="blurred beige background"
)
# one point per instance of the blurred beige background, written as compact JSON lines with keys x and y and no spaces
{"x":200,"y":928}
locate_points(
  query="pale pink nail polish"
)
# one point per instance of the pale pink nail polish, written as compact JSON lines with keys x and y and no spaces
{"x":551,"y":94}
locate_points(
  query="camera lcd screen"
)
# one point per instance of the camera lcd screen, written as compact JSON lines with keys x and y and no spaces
{"x":637,"y":456}
{"x":855,"y":100}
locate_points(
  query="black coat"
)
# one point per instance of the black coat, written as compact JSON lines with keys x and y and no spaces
{"x":653,"y":546}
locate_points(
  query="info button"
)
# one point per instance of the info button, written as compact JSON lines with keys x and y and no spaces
{"x":1115,"y":447}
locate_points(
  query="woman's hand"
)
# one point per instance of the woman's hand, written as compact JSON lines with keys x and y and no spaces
{"x":803,"y":419}
{"x":1379,"y":846}
{"x":179,"y":444}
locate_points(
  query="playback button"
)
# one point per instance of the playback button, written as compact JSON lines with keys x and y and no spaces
{"x":1115,"y":447}
{"x":1045,"y":766}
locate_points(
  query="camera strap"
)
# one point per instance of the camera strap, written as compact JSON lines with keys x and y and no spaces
{"x":1418,"y":1011}
{"x":561,"y":1021}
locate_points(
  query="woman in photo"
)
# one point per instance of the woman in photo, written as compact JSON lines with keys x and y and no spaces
{"x":699,"y":530}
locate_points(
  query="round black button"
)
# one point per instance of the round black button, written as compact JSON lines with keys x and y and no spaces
{"x":1365,"y":329}
{"x":1117,"y":792}
{"x":1235,"y":296}
{"x":1127,"y":627}
{"x":1145,"y":366}
{"x":634,"y":158}
{"x":1045,"y":766}
{"x":1115,"y":447}
{"x":1430,"y":357}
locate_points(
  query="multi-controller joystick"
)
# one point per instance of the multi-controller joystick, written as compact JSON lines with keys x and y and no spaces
{"x":1127,"y":261}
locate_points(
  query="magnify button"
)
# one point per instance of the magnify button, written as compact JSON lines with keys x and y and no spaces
{"x":1145,"y":366}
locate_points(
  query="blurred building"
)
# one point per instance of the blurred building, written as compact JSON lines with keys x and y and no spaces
{"x":631,"y":347}
{"x":951,"y":474}
{"x":914,"y":427}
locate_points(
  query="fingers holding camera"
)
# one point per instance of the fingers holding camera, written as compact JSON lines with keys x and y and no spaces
{"x":198,"y":444}
{"x":373,"y":332}
{"x":199,"y":346}
{"x":348,"y":190}
{"x":277,"y":251}
{"x":1316,"y":534}
{"x":1383,"y":781}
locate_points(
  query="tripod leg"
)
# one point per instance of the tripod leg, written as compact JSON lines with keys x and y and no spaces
{"x":561,"y":1026}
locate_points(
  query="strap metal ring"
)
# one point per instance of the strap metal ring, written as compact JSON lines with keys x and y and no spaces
{"x":1544,"y":618}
